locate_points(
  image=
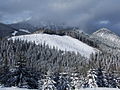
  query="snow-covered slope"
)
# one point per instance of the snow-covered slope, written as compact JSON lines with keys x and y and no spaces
{"x":99,"y":89}
{"x":65,"y":43}
{"x":20,"y":31}
{"x":23,"y":30}
{"x":15,"y":88}
{"x":77,"y":89}
{"x":106,"y":36}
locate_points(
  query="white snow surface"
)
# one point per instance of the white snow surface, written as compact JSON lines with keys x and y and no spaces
{"x":99,"y":89}
{"x":23,"y":30}
{"x":107,"y":35}
{"x":65,"y":43}
{"x":14,"y":33}
{"x":14,"y":88}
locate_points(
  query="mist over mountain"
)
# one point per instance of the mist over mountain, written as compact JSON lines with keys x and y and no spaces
{"x":89,"y":15}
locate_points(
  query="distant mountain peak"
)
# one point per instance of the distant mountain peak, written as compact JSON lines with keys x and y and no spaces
{"x":104,"y":31}
{"x":107,"y":36}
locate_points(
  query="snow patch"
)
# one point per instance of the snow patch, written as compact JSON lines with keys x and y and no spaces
{"x":99,"y":89}
{"x":14,"y":33}
{"x":15,"y":88}
{"x":23,"y":30}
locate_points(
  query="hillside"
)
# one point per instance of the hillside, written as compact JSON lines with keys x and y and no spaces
{"x":6,"y":31}
{"x":107,"y":37}
{"x":23,"y":25}
{"x":65,"y":43}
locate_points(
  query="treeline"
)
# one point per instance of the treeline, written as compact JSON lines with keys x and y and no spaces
{"x":96,"y":42}
{"x":73,"y":33}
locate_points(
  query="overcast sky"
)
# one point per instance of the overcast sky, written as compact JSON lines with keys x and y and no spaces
{"x":88,"y":14}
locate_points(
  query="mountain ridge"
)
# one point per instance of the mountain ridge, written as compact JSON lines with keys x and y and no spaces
{"x":107,"y":37}
{"x":8,"y":31}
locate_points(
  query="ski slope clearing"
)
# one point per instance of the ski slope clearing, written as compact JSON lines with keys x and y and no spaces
{"x":65,"y":43}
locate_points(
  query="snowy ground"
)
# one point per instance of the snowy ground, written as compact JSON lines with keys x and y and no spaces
{"x":100,"y":89}
{"x":13,"y":88}
{"x":79,"y":89}
{"x":65,"y":43}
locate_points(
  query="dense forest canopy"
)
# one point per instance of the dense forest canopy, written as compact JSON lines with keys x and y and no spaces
{"x":41,"y":59}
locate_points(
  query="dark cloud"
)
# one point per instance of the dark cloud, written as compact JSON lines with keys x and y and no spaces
{"x":88,"y":14}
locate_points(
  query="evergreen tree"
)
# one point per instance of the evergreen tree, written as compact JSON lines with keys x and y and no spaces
{"x":20,"y":76}
{"x":47,"y":84}
{"x":95,"y":78}
{"x":100,"y":79}
{"x":111,"y":81}
{"x":91,"y":79}
{"x":62,"y":82}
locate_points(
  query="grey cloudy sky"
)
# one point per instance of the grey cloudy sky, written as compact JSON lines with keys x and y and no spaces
{"x":88,"y":14}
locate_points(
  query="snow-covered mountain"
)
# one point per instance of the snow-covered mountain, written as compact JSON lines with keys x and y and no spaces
{"x":65,"y":43}
{"x":107,"y":37}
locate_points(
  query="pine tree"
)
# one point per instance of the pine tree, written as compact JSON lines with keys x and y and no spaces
{"x":62,"y":82}
{"x":20,"y":76}
{"x":47,"y":84}
{"x":95,"y":78}
{"x":91,"y":79}
{"x":111,"y":81}
{"x":100,"y":78}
